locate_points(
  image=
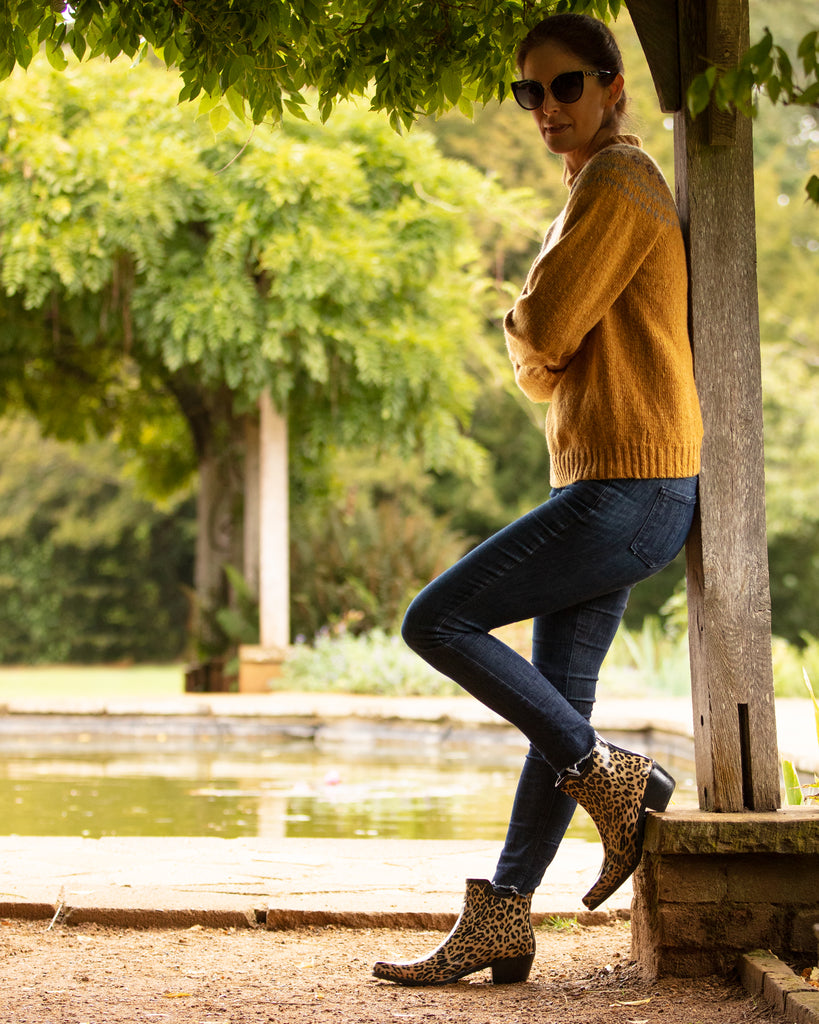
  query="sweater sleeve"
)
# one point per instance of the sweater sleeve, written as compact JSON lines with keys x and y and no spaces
{"x":618,"y":206}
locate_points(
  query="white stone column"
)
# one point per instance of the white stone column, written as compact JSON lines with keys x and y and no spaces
{"x":274,"y":570}
{"x":259,"y":665}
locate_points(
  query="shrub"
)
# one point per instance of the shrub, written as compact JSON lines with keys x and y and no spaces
{"x":361,"y":553}
{"x":375,"y":663}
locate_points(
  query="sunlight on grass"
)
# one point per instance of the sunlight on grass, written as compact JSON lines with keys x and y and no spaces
{"x":66,"y":682}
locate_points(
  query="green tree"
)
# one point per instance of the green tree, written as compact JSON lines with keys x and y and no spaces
{"x":408,"y":58}
{"x":149,"y":269}
{"x":89,"y":570}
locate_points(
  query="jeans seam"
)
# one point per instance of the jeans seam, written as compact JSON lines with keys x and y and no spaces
{"x":440,"y":624}
{"x":523,"y":698}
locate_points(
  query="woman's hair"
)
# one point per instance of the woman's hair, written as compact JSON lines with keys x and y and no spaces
{"x":590,"y":40}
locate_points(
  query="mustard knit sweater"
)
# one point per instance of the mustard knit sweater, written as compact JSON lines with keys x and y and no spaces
{"x":601,"y":327}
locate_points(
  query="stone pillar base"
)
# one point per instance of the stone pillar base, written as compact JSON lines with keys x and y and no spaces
{"x":259,"y":667}
{"x":712,"y":886}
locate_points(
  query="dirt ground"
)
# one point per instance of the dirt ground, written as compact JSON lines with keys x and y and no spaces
{"x":74,"y":975}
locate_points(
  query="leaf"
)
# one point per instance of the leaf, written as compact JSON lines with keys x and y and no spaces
{"x":451,"y":82}
{"x":237,"y":103}
{"x":812,"y":188}
{"x":76,"y":41}
{"x":47,"y":26}
{"x":208,"y":102}
{"x":55,"y":56}
{"x":219,"y":119}
{"x":758,"y":53}
{"x":810,"y":96}
{"x":699,"y":92}
{"x":296,"y":110}
{"x":808,"y":51}
{"x":22,"y":47}
{"x":466,"y":107}
{"x":793,"y":788}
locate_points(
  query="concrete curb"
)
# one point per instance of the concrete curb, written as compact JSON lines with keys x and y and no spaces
{"x":271,"y":919}
{"x":274,"y":882}
{"x":763,"y":974}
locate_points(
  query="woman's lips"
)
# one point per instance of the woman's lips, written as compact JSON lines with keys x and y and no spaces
{"x":555,"y":129}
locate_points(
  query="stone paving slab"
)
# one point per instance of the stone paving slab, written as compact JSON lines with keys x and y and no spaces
{"x":280,"y":882}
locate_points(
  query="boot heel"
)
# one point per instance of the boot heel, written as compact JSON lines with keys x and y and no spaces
{"x":513,"y":969}
{"x":659,"y":789}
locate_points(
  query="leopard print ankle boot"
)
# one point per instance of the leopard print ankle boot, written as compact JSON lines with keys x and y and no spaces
{"x":493,"y":930}
{"x":617,"y":788}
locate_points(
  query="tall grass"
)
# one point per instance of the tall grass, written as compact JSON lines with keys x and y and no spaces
{"x":795,"y":792}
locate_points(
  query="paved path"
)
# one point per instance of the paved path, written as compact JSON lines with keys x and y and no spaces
{"x":279,"y":882}
{"x":285,"y":882}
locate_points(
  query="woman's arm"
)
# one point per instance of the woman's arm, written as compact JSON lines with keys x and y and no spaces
{"x":618,"y":207}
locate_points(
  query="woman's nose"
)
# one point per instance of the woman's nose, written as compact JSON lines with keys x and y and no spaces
{"x":549,"y":102}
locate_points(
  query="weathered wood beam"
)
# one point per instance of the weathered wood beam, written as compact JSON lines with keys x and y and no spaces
{"x":657,"y":26}
{"x":728,"y":593}
{"x":722,"y":48}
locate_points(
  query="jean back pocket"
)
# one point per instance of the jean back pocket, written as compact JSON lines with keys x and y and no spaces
{"x":665,"y":529}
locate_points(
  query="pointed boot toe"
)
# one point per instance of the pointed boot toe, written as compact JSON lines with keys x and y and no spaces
{"x":493,"y":930}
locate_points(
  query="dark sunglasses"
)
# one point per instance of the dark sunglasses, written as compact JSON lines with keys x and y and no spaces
{"x":566,"y":88}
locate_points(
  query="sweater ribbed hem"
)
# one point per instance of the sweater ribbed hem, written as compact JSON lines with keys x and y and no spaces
{"x":624,"y":463}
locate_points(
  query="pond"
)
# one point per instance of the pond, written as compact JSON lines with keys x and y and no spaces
{"x":294,"y":790}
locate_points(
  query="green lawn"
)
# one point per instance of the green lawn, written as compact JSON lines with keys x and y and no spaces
{"x":99,"y":681}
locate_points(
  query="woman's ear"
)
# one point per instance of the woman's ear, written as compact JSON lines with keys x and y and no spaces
{"x":615,"y":91}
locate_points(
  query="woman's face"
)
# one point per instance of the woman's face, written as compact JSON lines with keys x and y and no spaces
{"x":571,"y":129}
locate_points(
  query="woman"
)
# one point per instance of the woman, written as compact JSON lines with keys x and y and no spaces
{"x":599,"y":331}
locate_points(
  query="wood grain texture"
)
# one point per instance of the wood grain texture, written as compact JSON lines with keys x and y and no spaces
{"x":724,"y":32}
{"x":656,"y":24}
{"x":729,"y":595}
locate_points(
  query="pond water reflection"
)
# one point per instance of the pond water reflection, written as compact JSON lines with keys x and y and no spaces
{"x":297,"y":791}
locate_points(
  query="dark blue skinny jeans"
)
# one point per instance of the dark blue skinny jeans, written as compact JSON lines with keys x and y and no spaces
{"x":569,"y":565}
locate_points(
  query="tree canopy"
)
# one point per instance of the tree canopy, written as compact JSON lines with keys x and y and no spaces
{"x":152,"y":271}
{"x":336,"y":266}
{"x":409,"y":58}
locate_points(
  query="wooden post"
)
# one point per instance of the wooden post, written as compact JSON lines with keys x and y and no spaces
{"x":728,"y":590}
{"x":728,"y":587}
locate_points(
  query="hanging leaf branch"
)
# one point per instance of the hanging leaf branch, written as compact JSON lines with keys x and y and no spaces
{"x":258,"y":58}
{"x":765,"y":71}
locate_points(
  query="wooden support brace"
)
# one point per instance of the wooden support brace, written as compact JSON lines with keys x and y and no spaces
{"x":657,"y":27}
